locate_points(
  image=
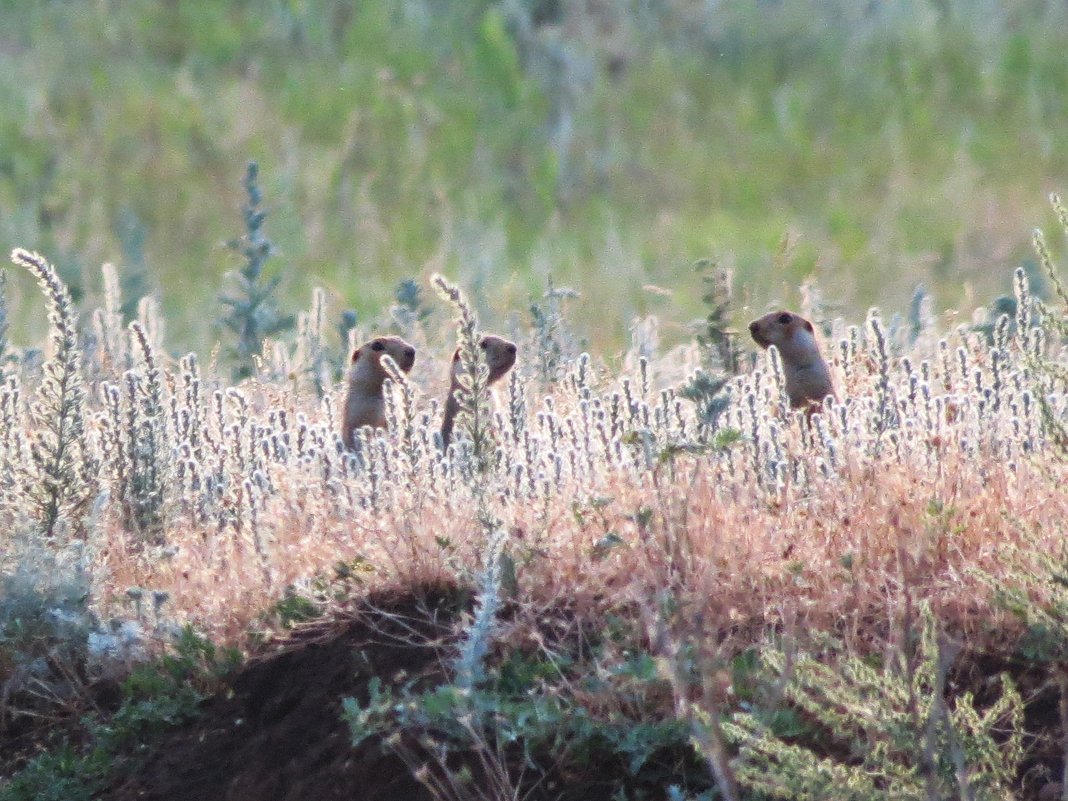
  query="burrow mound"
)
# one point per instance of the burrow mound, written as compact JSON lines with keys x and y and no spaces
{"x":276,"y":733}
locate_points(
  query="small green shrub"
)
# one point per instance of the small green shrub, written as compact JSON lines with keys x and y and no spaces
{"x":525,"y":708}
{"x":878,"y":732}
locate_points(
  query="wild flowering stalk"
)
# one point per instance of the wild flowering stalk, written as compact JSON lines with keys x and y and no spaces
{"x":473,"y":393}
{"x":148,"y":450}
{"x":10,"y":424}
{"x":886,"y":413}
{"x":311,"y":358}
{"x":150,"y":318}
{"x":473,"y":421}
{"x":400,"y":409}
{"x":59,"y":478}
{"x":4,"y":344}
{"x":107,"y":323}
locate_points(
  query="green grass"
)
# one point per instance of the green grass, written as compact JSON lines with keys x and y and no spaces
{"x":912,"y":142}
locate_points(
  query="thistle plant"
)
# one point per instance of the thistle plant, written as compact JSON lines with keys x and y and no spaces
{"x":707,"y":387}
{"x":59,"y":477}
{"x":253,"y":312}
{"x":469,"y":667}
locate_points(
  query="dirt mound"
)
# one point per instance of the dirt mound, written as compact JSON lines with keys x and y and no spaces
{"x":278,"y":735}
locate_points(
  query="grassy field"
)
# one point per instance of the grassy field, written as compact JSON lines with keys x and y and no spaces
{"x":607,"y":144}
{"x":636,"y":574}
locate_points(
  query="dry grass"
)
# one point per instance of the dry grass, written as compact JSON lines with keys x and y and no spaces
{"x":923,"y":480}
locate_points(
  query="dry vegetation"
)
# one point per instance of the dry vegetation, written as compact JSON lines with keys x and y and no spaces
{"x":610,"y":487}
{"x":575,"y":495}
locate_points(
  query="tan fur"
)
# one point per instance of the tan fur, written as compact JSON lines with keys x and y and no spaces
{"x":808,"y":380}
{"x":500,"y":356}
{"x":364,"y":405}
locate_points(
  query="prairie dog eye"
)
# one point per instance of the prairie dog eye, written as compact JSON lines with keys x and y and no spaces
{"x":377,"y":346}
{"x":785,"y":318}
{"x":483,"y":344}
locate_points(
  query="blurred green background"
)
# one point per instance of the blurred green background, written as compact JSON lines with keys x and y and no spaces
{"x":609,"y":143}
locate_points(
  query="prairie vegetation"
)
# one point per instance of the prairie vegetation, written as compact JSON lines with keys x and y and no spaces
{"x":634,"y":573}
{"x":663,"y":552}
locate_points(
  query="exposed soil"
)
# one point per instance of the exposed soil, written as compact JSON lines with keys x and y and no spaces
{"x":278,"y":734}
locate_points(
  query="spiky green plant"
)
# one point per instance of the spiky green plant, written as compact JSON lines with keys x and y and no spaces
{"x":718,"y":341}
{"x":59,"y":478}
{"x":1054,"y":323}
{"x":253,"y":311}
{"x":547,"y":317}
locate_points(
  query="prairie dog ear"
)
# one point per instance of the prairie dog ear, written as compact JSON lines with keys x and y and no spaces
{"x":808,"y":327}
{"x":355,"y":355}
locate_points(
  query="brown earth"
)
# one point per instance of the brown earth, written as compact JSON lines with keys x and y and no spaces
{"x":277,"y":734}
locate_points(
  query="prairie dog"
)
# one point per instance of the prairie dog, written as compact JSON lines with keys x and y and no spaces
{"x":500,"y":356}
{"x":808,"y":381}
{"x":364,"y":405}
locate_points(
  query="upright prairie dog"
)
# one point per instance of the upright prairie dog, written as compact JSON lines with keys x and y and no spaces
{"x":500,"y":356}
{"x":808,"y":381}
{"x":364,"y":405}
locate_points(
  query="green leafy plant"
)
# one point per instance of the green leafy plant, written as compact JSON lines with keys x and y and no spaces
{"x":881,"y":731}
{"x":525,"y":707}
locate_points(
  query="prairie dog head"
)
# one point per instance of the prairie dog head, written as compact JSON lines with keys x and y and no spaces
{"x":791,"y":333}
{"x":807,"y":378}
{"x":364,"y":405}
{"x":499,"y":353}
{"x":367,"y":370}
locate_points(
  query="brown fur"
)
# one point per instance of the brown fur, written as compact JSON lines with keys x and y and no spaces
{"x":500,"y":356}
{"x":364,"y":405}
{"x":808,"y":380}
